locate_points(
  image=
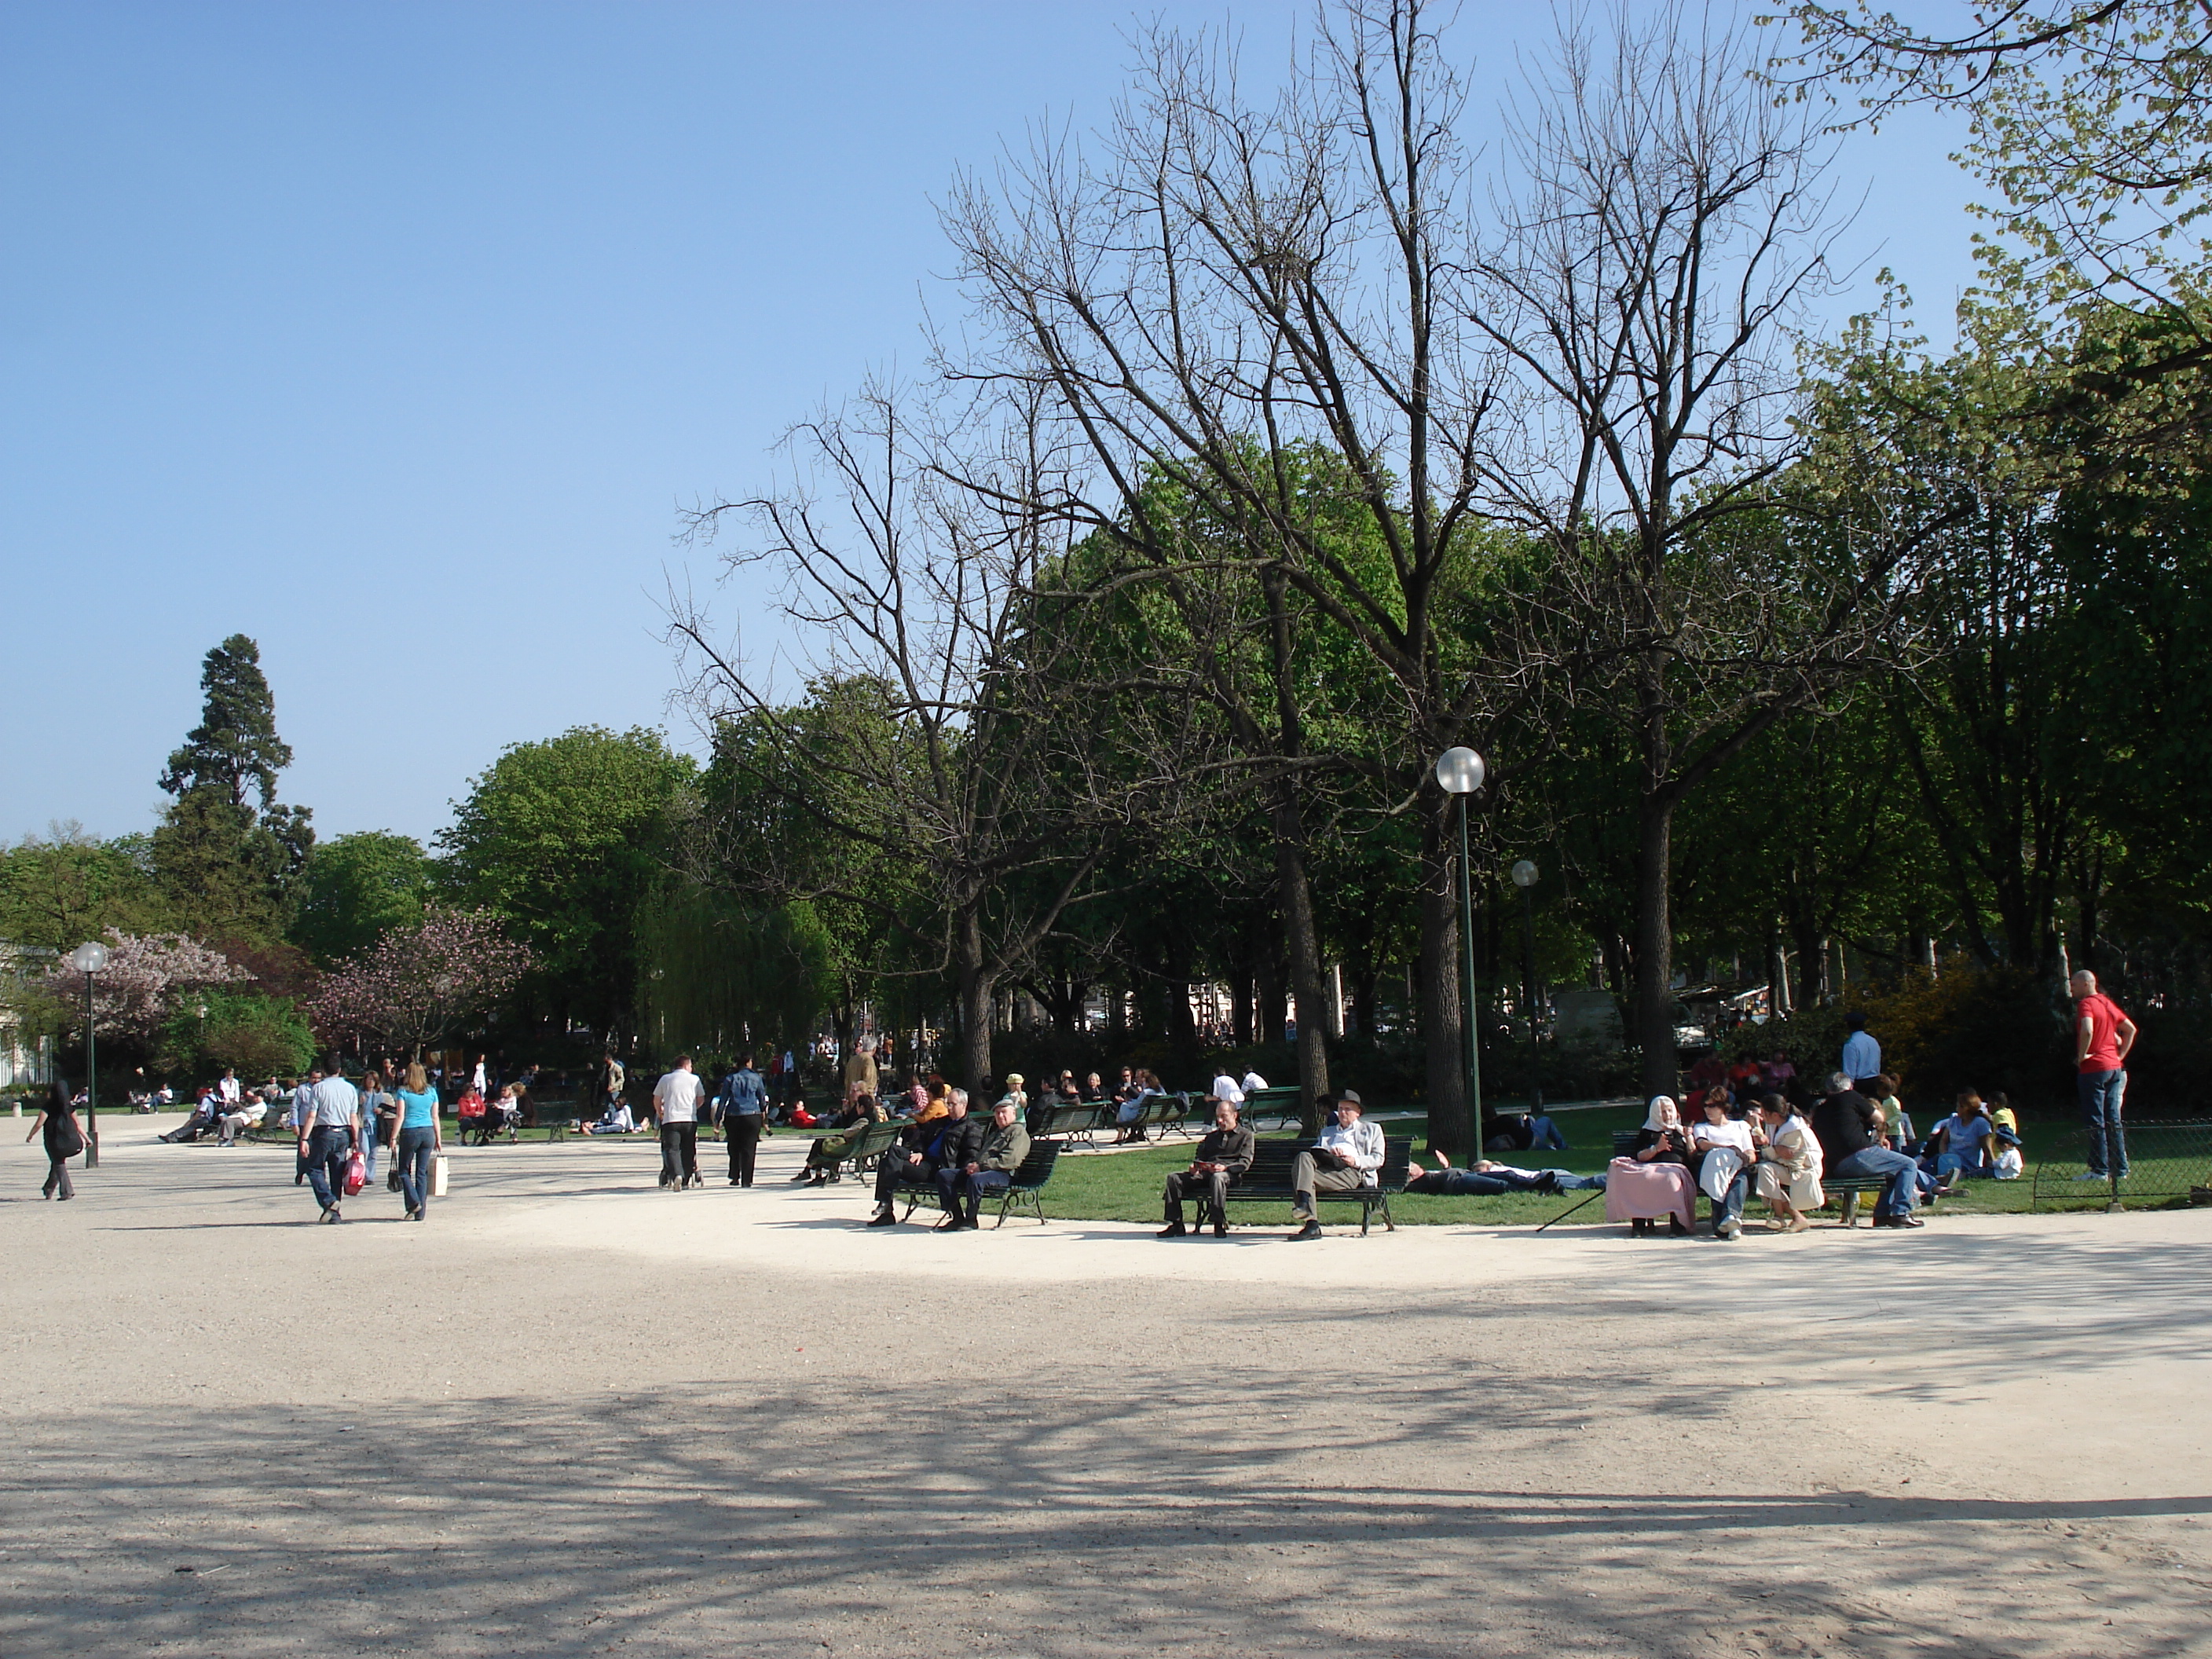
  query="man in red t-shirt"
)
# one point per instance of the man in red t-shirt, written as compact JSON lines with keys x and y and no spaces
{"x":2102,"y":1036}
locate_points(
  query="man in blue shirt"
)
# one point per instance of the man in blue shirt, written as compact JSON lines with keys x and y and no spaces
{"x":1861,"y":1053}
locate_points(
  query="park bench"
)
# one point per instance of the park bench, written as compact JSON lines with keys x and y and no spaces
{"x":1278,"y":1101}
{"x":868,"y":1149}
{"x":1067,"y":1121}
{"x":1160,"y":1112}
{"x":1268,"y":1180}
{"x":1850,"y":1188}
{"x":1026,"y":1186}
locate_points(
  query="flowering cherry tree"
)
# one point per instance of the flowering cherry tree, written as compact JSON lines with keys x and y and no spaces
{"x":417,"y":985}
{"x":147,"y":976}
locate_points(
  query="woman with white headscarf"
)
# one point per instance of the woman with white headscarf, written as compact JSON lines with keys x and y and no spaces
{"x":1654,"y":1179}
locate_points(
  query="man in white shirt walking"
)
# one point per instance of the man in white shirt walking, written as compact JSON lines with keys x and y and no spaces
{"x":328,"y":1137}
{"x":1227,"y":1091}
{"x":675,"y":1103}
{"x":1344,"y":1157}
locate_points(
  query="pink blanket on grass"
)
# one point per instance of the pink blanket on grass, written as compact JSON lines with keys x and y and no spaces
{"x":1636,"y":1191}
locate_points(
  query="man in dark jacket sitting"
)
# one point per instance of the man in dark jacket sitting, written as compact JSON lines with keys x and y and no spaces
{"x":979,"y":1158}
{"x":916,"y":1161}
{"x":1223,"y":1156}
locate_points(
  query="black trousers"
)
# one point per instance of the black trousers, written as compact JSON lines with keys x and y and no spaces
{"x":1208,"y":1186}
{"x":895,"y":1172}
{"x":679,"y":1153}
{"x":743,"y":1132}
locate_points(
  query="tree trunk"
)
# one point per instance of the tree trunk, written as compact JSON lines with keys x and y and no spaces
{"x":1302,"y":943}
{"x":977,"y":989}
{"x":1444,"y":1026}
{"x":1655,"y":942}
{"x":1274,"y":1010}
{"x":1240,"y":1005}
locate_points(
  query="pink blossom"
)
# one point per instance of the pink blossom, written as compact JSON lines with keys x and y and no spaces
{"x":146,"y":977}
{"x":418,"y":985}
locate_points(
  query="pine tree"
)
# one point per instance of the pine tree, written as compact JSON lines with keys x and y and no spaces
{"x":229,"y":870}
{"x":235,"y":743}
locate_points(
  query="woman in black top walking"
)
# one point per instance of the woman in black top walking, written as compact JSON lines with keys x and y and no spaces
{"x":64,"y":1140}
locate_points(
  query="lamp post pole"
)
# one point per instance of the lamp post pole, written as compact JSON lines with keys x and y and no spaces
{"x":1459,"y":772}
{"x":1524,"y":877}
{"x":89,"y":959}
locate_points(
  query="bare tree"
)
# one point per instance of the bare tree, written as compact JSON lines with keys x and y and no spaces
{"x":942,"y":734}
{"x":1222,"y":285}
{"x":1663,"y":224}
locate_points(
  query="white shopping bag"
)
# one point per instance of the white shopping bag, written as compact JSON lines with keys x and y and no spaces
{"x":437,"y":1177}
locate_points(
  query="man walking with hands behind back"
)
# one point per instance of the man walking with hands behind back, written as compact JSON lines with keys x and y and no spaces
{"x":2102,"y":1036}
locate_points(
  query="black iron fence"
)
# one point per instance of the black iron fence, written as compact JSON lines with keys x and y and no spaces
{"x":2165,"y":1162}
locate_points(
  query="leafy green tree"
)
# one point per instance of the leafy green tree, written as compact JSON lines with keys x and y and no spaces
{"x":58,"y":891}
{"x":563,"y":839}
{"x":356,"y":887}
{"x":257,"y":1035}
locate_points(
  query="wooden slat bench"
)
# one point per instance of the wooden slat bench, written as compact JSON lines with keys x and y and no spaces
{"x":1268,"y":1180}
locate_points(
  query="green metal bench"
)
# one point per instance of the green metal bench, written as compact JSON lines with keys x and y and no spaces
{"x":1026,"y":1186}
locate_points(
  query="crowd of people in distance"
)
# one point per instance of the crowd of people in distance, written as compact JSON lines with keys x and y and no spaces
{"x":1745,"y":1131}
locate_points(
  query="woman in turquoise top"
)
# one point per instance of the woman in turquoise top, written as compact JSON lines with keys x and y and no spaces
{"x":419,"y":1141}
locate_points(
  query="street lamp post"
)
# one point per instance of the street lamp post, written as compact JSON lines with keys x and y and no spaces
{"x":1524,"y":877}
{"x":1459,"y":772}
{"x":88,"y":958}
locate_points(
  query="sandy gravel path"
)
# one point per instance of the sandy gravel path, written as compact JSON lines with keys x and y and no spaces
{"x":572,"y":1415}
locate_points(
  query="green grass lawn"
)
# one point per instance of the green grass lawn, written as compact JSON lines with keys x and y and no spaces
{"x":1126,"y":1186}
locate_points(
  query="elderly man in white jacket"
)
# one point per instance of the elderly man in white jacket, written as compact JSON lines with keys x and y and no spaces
{"x":1344,"y":1157}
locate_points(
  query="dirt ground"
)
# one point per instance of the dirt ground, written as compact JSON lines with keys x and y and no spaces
{"x":573,"y":1415}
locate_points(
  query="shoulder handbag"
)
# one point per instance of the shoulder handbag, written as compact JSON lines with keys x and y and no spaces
{"x":71,"y":1139}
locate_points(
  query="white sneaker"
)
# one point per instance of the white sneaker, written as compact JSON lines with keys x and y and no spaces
{"x":2089,"y":1174}
{"x":1730,"y":1229}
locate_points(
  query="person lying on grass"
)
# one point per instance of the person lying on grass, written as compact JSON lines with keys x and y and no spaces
{"x":1484,"y":1178}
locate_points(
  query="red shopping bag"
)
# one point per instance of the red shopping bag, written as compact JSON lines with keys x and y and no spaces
{"x":357,"y":1173}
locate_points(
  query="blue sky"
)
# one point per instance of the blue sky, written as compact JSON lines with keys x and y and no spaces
{"x":397,"y":335}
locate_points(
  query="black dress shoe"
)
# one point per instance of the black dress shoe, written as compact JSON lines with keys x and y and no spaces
{"x":1173,"y":1230}
{"x":1312,"y":1230}
{"x":883,"y":1218}
{"x":1898,"y":1221}
{"x":1220,"y":1230}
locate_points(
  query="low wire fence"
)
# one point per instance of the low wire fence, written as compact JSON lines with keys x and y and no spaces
{"x":2167,"y":1162}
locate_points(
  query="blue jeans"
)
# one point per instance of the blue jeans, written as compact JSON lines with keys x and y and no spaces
{"x":1547,"y":1135}
{"x":1962,"y":1162}
{"x":416,"y":1148}
{"x":2100,"y":1093}
{"x":955,"y":1186}
{"x":1730,"y":1207}
{"x":1902,"y":1173}
{"x":328,"y":1149}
